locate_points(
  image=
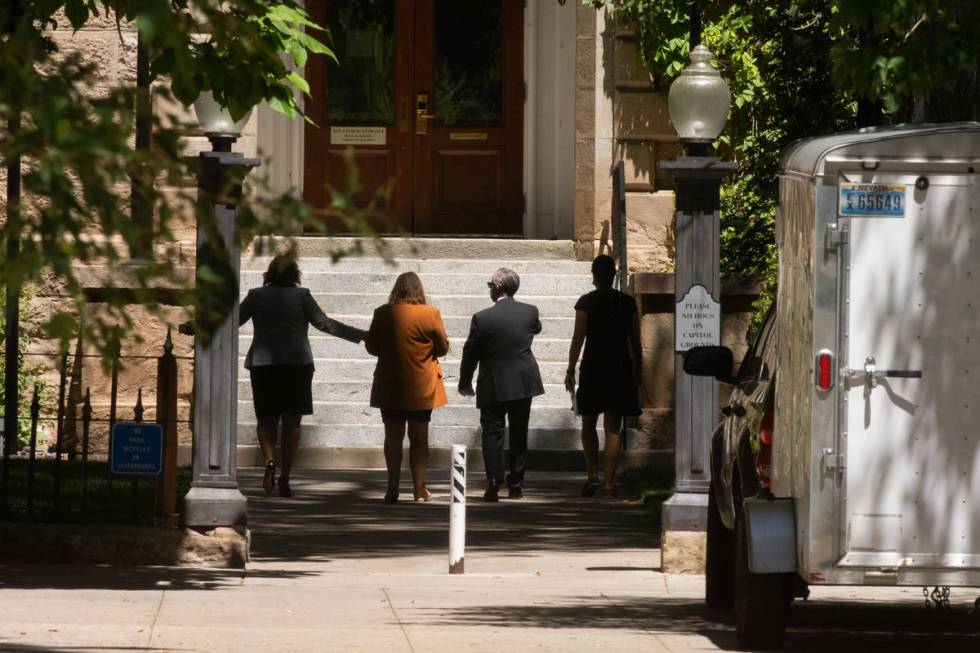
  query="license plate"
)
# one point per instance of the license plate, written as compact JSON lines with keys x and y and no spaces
{"x":871,"y":201}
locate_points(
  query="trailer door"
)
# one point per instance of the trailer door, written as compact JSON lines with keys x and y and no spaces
{"x":910,"y":387}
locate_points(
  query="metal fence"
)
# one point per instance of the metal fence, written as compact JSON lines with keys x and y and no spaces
{"x":72,"y":480}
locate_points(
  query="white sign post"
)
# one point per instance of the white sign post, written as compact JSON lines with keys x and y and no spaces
{"x":697,"y":320}
{"x":457,"y":509}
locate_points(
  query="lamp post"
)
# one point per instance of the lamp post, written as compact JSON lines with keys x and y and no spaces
{"x":214,"y":498}
{"x":698,"y":102}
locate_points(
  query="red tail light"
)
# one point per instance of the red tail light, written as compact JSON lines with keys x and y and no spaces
{"x":765,"y":429}
{"x":825,"y":370}
{"x":763,"y":461}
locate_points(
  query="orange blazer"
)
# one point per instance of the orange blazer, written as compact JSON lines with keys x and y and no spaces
{"x":407,"y":339}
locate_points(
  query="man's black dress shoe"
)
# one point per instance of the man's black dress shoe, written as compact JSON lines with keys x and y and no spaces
{"x":492,"y":493}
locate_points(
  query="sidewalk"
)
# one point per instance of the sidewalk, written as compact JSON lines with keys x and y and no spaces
{"x":334,"y":569}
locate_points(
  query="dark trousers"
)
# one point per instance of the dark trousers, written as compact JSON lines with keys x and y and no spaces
{"x":517,"y":413}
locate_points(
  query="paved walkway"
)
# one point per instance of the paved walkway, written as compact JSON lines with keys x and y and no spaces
{"x":335,"y":569}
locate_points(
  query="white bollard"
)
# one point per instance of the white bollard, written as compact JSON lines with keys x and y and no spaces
{"x":457,"y":509}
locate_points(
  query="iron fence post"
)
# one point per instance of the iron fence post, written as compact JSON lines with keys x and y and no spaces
{"x":60,"y":434}
{"x":32,"y":459}
{"x":86,"y":424}
{"x":165,"y":504}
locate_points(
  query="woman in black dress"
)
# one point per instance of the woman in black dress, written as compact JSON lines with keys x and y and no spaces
{"x":607,"y":321}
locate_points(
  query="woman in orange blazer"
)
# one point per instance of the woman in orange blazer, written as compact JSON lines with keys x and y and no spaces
{"x":407,"y":336}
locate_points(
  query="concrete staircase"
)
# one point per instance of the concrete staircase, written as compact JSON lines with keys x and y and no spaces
{"x":454,"y":273}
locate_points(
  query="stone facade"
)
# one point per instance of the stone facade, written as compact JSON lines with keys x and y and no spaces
{"x":619,"y":115}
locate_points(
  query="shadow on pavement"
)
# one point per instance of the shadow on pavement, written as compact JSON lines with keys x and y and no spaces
{"x":838,"y":626}
{"x":27,"y":648}
{"x":81,"y":576}
{"x":340,"y":514}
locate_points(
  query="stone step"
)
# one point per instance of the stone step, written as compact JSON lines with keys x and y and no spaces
{"x":367,"y":435}
{"x":362,"y":370}
{"x":319,"y":281}
{"x":554,"y":396}
{"x":456,"y":327}
{"x":339,"y":412}
{"x":448,"y":305}
{"x":421,"y":248}
{"x":368,"y":265}
{"x":545,"y":349}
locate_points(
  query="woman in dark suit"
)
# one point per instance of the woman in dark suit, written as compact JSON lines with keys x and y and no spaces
{"x":407,"y":336}
{"x":607,"y":321}
{"x":280,"y":360}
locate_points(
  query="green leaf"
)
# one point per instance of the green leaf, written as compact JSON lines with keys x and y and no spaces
{"x":77,"y":13}
{"x":282,"y":106}
{"x":298,"y":82}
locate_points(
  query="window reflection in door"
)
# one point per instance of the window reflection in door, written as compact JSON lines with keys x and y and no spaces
{"x":360,"y":90}
{"x":468,"y":62}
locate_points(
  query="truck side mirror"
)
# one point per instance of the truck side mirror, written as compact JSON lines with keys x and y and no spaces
{"x":710,"y":361}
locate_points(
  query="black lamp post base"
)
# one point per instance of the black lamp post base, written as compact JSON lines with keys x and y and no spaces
{"x":699,"y":148}
{"x":222,"y":142}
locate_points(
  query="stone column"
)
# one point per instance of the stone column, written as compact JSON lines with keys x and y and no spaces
{"x":214,"y":498}
{"x":684,"y":517}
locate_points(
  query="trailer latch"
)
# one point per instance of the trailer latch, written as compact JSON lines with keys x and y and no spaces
{"x":871,"y":374}
{"x":836,"y":236}
{"x":833,"y":462}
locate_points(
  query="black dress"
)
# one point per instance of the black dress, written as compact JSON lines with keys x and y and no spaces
{"x":606,"y":372}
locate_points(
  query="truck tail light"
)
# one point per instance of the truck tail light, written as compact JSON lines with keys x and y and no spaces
{"x":765,"y":429}
{"x":763,"y":461}
{"x":825,"y":370}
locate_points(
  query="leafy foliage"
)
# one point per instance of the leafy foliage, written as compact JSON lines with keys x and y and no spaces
{"x":73,"y":131}
{"x":802,"y":68}
{"x":31,"y":370}
{"x":893,"y":52}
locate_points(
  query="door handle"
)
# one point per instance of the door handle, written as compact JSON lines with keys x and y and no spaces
{"x":422,"y":115}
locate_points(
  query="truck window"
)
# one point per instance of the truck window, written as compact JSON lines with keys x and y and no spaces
{"x":754,"y":363}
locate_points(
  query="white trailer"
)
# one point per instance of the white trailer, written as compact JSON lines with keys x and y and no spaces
{"x":877,"y":404}
{"x":865,"y":467}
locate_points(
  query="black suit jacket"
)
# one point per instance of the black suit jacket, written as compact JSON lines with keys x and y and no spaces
{"x":500,"y":343}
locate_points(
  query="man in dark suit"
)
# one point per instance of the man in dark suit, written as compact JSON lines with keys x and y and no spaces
{"x":500,"y":343}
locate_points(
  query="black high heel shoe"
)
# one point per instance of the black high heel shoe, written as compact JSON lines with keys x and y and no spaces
{"x":269,"y":480}
{"x":284,"y":490}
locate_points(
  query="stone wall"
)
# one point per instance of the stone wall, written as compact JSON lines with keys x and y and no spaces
{"x":620,"y":115}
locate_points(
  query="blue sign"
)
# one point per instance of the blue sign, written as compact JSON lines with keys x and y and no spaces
{"x":136,"y":448}
{"x":871,"y":201}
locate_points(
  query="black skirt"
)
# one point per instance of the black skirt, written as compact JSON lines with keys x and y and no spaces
{"x":607,"y":389}
{"x":282,"y":390}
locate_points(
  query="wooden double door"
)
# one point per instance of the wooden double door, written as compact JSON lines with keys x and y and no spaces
{"x":426,"y":102}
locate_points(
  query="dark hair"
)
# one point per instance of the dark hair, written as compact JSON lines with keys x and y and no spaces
{"x":283,"y":271}
{"x":604,"y":270}
{"x":407,"y":290}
